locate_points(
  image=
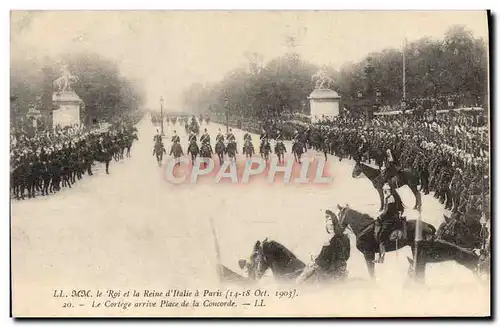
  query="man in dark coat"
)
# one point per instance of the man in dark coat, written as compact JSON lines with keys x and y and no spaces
{"x":332,"y":259}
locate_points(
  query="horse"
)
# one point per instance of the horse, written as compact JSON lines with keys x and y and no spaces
{"x":104,"y":156}
{"x":130,"y":141}
{"x":273,"y":255}
{"x":280,"y":151}
{"x":194,"y":127}
{"x":298,"y":150}
{"x":468,"y":233}
{"x":404,"y":177}
{"x":248,"y":149}
{"x":284,"y":265}
{"x":362,"y":225}
{"x":437,"y":250}
{"x":265,"y":150}
{"x":205,"y":152}
{"x":220,"y":149}
{"x":193,"y":149}
{"x":176,"y":150}
{"x":231,"y":150}
{"x":159,"y":150}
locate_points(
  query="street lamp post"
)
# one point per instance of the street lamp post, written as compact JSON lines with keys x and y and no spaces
{"x":161,"y":114}
{"x":226,"y":105}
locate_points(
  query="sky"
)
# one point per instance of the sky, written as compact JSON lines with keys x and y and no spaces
{"x":169,"y":50}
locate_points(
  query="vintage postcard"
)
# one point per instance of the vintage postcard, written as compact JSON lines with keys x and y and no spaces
{"x":250,"y":164}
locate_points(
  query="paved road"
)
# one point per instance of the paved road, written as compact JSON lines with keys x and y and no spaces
{"x":134,"y":229}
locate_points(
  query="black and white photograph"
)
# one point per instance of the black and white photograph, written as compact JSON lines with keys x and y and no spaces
{"x":314,"y":163}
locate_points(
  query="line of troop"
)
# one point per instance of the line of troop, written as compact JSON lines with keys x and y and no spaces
{"x":447,"y":156}
{"x":48,"y":161}
{"x":225,"y":145}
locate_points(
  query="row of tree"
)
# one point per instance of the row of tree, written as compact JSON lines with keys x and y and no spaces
{"x":457,"y":64}
{"x":105,"y":92}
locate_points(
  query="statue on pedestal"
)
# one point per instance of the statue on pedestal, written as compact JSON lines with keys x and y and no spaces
{"x":322,"y":81}
{"x":67,"y":104}
{"x":64,"y":82}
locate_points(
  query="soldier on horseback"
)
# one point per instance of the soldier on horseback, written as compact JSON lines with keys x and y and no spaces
{"x":219,"y":137}
{"x":231,"y":140}
{"x":248,"y":148}
{"x":296,"y":137}
{"x":192,"y":137}
{"x":247,"y":136}
{"x":363,"y":147}
{"x":390,"y":166}
{"x":205,"y":139}
{"x":279,"y":148}
{"x":384,"y":225}
{"x":175,"y":139}
{"x":332,"y":259}
{"x":264,"y":138}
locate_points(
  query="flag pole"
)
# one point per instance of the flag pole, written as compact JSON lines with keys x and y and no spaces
{"x":217,"y":248}
{"x":418,"y":239}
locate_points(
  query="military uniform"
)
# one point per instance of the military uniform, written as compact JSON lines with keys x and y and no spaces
{"x":192,"y":138}
{"x":205,"y":139}
{"x":176,"y":139}
{"x":219,"y":138}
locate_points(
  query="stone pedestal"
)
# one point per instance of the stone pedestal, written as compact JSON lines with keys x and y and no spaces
{"x":67,"y":106}
{"x":324,"y":102}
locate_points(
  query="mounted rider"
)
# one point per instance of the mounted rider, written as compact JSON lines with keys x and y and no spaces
{"x":192,"y":137}
{"x":296,"y":137}
{"x":247,"y":139}
{"x":157,"y":138}
{"x":205,"y":140}
{"x":386,"y":221}
{"x":219,"y":137}
{"x":279,"y":141}
{"x":230,"y":136}
{"x":332,"y":259}
{"x":390,"y":166}
{"x":264,"y":138}
{"x":158,"y":146}
{"x":247,"y":136}
{"x":176,"y":138}
{"x":363,"y":146}
{"x":231,"y":139}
